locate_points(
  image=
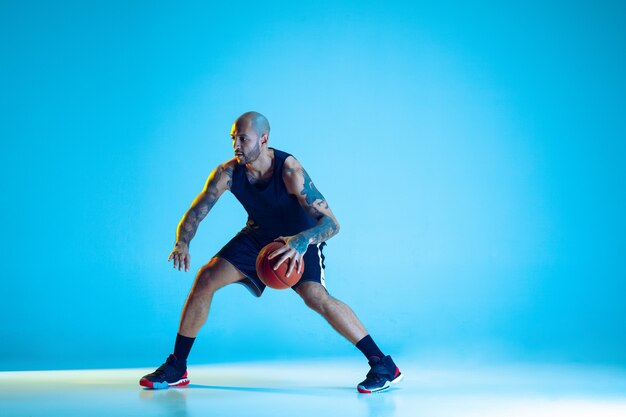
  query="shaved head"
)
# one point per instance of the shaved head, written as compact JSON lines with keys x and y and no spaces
{"x":256,"y":120}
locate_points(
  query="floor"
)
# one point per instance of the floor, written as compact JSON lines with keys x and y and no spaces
{"x":323,"y":389}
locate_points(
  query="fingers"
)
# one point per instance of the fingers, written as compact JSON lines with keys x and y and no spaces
{"x":296,"y":259}
{"x":281,"y":260}
{"x":300,"y":265}
{"x":278,"y":252}
{"x":181,"y":260}
{"x":291,"y":265}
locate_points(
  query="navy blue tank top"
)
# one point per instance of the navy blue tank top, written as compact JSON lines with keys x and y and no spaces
{"x":272,"y":211}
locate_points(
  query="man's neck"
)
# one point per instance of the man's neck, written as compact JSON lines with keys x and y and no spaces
{"x":261,"y":166}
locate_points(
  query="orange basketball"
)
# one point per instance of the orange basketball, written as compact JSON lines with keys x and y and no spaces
{"x":276,"y":279}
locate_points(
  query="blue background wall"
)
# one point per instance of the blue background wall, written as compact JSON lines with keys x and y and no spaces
{"x":473,"y":153}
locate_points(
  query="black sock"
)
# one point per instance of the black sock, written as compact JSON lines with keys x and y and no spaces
{"x":183,"y":346}
{"x":369,"y":348}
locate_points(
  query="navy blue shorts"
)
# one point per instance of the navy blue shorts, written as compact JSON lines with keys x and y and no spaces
{"x":243,"y":249}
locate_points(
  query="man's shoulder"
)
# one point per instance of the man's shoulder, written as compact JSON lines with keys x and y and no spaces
{"x":224,"y":171}
{"x":229,"y":165}
{"x":291,"y":165}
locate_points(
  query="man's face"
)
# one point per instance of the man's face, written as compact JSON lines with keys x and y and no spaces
{"x":246,"y":142}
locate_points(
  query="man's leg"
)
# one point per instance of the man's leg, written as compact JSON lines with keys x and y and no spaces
{"x":342,"y":318}
{"x":338,"y":314}
{"x":211,"y":277}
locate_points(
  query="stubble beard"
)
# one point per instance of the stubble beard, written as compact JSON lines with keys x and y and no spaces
{"x":252,"y":155}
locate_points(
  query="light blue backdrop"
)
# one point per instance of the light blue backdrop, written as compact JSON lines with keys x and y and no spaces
{"x":473,"y":152}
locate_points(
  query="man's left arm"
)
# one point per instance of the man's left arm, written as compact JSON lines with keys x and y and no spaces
{"x":300,"y":184}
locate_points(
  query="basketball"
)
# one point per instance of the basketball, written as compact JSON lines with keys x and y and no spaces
{"x":276,"y":279}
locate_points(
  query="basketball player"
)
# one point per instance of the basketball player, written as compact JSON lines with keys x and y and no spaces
{"x":282,"y":203}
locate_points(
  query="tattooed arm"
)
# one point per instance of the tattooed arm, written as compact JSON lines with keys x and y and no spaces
{"x":300,"y":184}
{"x":219,"y":181}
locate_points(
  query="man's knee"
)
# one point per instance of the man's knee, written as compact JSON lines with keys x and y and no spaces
{"x":215,"y":275}
{"x":206,"y":279}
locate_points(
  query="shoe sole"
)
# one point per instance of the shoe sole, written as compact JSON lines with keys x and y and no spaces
{"x":164,"y":385}
{"x":383,"y":388}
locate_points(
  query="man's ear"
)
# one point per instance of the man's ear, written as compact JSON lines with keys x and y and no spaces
{"x":264,"y":138}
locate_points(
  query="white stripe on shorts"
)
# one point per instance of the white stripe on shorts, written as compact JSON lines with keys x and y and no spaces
{"x":319,"y":255}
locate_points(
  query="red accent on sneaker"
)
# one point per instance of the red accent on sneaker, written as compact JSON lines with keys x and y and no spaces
{"x":182,"y":383}
{"x":144,"y":382}
{"x":363,"y":390}
{"x":397,"y":373}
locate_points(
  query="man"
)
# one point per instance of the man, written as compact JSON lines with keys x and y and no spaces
{"x":282,"y":204}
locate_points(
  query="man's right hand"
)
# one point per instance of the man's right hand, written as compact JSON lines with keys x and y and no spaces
{"x":180,"y":255}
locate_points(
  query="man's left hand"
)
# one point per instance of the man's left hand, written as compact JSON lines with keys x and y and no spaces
{"x":294,"y":249}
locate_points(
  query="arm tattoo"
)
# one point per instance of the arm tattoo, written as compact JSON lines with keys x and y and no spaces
{"x":228,"y":171}
{"x":202,"y":205}
{"x":326,"y":226}
{"x":309,"y":191}
{"x":313,"y":197}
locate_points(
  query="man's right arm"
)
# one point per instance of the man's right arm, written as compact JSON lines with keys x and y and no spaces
{"x":219,"y":181}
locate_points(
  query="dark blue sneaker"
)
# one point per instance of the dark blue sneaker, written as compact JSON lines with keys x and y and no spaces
{"x":173,"y":373}
{"x":384,"y":372}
